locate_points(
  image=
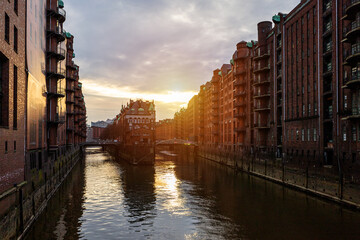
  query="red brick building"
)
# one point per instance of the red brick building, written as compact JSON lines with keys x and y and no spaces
{"x":165,"y":129}
{"x":12,"y":93}
{"x":292,"y":93}
{"x":180,"y":124}
{"x":192,"y":120}
{"x":33,"y":88}
{"x":55,"y":76}
{"x":72,"y":74}
{"x":137,"y":122}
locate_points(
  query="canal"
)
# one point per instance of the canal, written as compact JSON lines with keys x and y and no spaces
{"x":184,"y":199}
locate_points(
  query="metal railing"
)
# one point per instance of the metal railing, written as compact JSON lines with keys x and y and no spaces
{"x":62,"y":12}
{"x":55,"y":29}
{"x":56,"y":70}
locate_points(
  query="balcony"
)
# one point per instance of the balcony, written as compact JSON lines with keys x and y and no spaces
{"x":327,"y":69}
{"x":71,"y":76}
{"x":261,"y":56}
{"x":57,"y":12}
{"x":262,"y":126}
{"x":327,"y":28}
{"x":261,"y":108}
{"x":352,"y":9}
{"x":70,"y":100}
{"x":239,"y":71}
{"x":353,"y":81}
{"x":55,"y":31}
{"x":327,"y":48}
{"x":71,"y":64}
{"x":354,"y":55}
{"x":260,"y":69}
{"x":239,"y":93}
{"x":261,"y":81}
{"x":327,"y":7}
{"x":353,"y":30}
{"x":57,"y":52}
{"x":262,"y":95}
{"x":327,"y":88}
{"x":56,"y":71}
{"x":354,"y":114}
{"x":55,"y":120}
{"x":239,"y":82}
{"x":59,"y":93}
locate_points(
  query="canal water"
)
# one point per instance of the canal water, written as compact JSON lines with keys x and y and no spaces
{"x":184,"y":199}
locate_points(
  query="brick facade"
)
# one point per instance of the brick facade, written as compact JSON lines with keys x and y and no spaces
{"x":12,"y":94}
{"x":292,"y":93}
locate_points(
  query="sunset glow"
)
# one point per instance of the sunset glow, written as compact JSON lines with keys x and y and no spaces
{"x":127,"y":92}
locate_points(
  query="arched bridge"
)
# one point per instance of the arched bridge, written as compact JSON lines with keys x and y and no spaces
{"x":172,"y":142}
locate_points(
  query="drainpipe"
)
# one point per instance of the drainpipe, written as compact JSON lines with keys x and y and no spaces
{"x":337,"y":104}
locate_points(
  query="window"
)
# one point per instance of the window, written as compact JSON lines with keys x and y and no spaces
{"x":4,"y":91}
{"x":315,"y":108}
{"x":309,"y":109}
{"x":16,"y":5}
{"x":345,"y":102}
{"x":353,"y":133}
{"x":7,"y":28}
{"x":6,"y":146}
{"x":15,"y":97}
{"x":315,"y":135}
{"x":308,"y":134}
{"x":297,"y":135}
{"x":302,"y":135}
{"x":344,"y":135}
{"x":303,"y":109}
{"x":14,"y":146}
{"x":15,"y":39}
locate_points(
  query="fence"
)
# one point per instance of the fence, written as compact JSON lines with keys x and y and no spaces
{"x":304,"y":173}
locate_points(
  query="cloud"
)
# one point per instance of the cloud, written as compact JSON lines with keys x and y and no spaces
{"x":158,"y":47}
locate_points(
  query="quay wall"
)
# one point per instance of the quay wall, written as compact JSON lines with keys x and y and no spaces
{"x":322,"y":181}
{"x":26,"y":201}
{"x":133,"y":154}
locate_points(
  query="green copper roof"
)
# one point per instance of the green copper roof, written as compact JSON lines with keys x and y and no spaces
{"x":151,"y":107}
{"x":68,"y":35}
{"x":73,"y":55}
{"x":141,"y":109}
{"x":249,"y":44}
{"x":220,"y":73}
{"x":276,"y":18}
{"x":232,"y":61}
{"x":60,"y":4}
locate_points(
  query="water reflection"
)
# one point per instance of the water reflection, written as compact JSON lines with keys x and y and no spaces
{"x":166,"y":184}
{"x":139,"y":198}
{"x":185,"y":199}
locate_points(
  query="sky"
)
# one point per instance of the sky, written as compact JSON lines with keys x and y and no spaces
{"x":157,"y":49}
